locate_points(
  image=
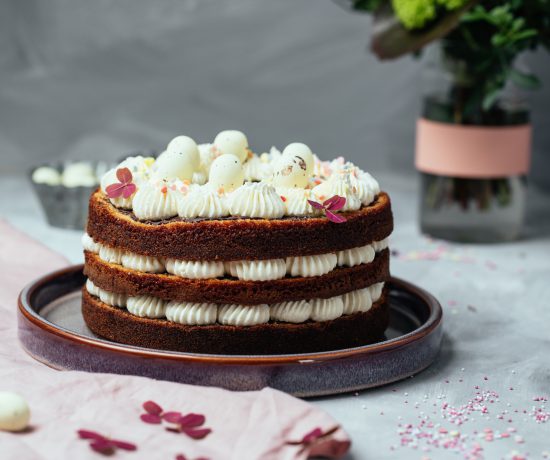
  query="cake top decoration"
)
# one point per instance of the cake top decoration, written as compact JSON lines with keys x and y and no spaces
{"x":213,"y":180}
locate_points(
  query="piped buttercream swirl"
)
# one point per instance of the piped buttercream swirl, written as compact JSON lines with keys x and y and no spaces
{"x":153,"y":202}
{"x":191,"y":314}
{"x":146,"y":306}
{"x":142,"y":263}
{"x":256,"y":200}
{"x":356,"y":256}
{"x":291,"y":312}
{"x":89,"y":244}
{"x":257,"y":270}
{"x":114,"y":299}
{"x":356,"y":301}
{"x":296,"y":201}
{"x":311,"y":265}
{"x":243,"y":315}
{"x":376,"y":291}
{"x":339,"y":185}
{"x":327,"y":309}
{"x":110,"y":255}
{"x":195,"y":269}
{"x":202,"y":202}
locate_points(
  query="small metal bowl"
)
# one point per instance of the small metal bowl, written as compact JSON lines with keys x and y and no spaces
{"x":67,"y":207}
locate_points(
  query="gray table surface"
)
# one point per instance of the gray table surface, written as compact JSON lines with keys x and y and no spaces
{"x":484,"y":396}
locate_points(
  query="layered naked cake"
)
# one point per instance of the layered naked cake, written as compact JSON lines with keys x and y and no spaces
{"x":214,"y":249}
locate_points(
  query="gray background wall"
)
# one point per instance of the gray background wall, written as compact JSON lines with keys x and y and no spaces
{"x":100,"y":78}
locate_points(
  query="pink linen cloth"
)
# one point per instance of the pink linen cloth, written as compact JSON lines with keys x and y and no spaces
{"x":245,"y":425}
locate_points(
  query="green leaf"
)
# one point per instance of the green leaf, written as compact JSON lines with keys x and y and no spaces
{"x":524,"y":80}
{"x":490,"y":98}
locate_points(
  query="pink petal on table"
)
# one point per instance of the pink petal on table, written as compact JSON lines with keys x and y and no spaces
{"x":171,"y":417}
{"x":197,"y":433}
{"x":191,"y":420}
{"x":128,"y":190}
{"x":181,"y":457}
{"x":152,"y":407}
{"x":123,"y":444}
{"x":124,"y":175}
{"x":312,"y":435}
{"x":151,"y":418}
{"x":336,"y":218}
{"x":87,"y":434}
{"x":115,"y":190}
{"x":103,"y":446}
{"x":315,"y":205}
{"x":335,"y":203}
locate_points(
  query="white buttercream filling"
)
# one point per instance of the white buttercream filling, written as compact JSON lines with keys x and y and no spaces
{"x":291,"y":312}
{"x":89,"y":244}
{"x":110,"y":255}
{"x":146,"y":306}
{"x":191,"y":314}
{"x":243,"y":315}
{"x":246,"y":270}
{"x":356,"y":256}
{"x":327,"y":309}
{"x":356,"y":301}
{"x":257,"y":270}
{"x":142,"y":263}
{"x":311,"y":265}
{"x":195,"y":269}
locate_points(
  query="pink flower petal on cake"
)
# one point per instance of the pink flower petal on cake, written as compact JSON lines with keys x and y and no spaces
{"x":312,"y":435}
{"x":103,"y":446}
{"x":128,"y":190}
{"x":123,"y":444}
{"x":197,"y":433}
{"x":152,"y":407}
{"x":151,"y":418}
{"x":335,"y":203}
{"x":87,"y":434}
{"x":336,"y":218}
{"x":171,"y":417}
{"x":114,"y":190}
{"x":124,"y":175}
{"x":191,"y":420}
{"x":181,"y":457}
{"x":315,"y":205}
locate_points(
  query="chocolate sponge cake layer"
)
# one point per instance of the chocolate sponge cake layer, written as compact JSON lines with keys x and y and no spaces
{"x":116,"y":278}
{"x":271,"y":338}
{"x":237,"y":238}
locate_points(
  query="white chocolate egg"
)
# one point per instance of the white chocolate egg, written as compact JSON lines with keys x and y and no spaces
{"x":14,"y":412}
{"x":180,"y":160}
{"x":302,"y":151}
{"x":291,"y":173}
{"x":232,"y":142}
{"x":226,"y":173}
{"x":184,"y":144}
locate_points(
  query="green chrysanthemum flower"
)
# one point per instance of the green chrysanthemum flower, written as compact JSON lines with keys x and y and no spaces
{"x":415,"y":14}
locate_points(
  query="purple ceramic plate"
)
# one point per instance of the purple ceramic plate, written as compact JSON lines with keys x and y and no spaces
{"x":52,"y":330}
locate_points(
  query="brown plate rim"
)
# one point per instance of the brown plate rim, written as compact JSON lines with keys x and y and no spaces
{"x":430,"y":325}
